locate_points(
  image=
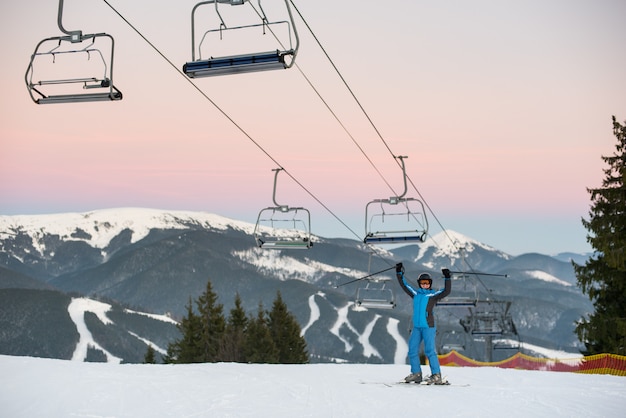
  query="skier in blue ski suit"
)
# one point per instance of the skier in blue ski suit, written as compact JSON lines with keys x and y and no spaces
{"x":424,"y":300}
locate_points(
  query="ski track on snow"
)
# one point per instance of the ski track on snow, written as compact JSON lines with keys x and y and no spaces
{"x":77,"y":309}
{"x":402,"y":348}
{"x":315,"y":313}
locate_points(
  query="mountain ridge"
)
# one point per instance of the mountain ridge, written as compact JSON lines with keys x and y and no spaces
{"x":155,"y":260}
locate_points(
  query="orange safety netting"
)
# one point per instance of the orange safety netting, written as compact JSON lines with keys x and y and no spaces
{"x":598,"y":364}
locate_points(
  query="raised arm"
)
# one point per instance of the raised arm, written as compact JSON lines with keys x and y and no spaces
{"x":402,"y":281}
{"x":447,"y":285}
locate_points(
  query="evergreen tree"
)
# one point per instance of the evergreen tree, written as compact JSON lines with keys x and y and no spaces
{"x":603,"y":277}
{"x":285,"y":332}
{"x":150,"y":356}
{"x":233,"y":341}
{"x":187,"y":349}
{"x":212,"y":325}
{"x":259,"y":346}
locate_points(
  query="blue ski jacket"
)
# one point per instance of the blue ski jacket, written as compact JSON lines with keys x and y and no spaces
{"x":424,"y":300}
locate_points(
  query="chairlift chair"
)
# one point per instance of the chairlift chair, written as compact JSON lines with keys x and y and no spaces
{"x":280,"y":58}
{"x":283,"y":227}
{"x":375,"y":297}
{"x":490,"y":317}
{"x":450,"y":340}
{"x":87,"y":75}
{"x":511,"y":343}
{"x":395,"y":220}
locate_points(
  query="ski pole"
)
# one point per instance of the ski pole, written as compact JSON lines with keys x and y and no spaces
{"x":479,"y":274}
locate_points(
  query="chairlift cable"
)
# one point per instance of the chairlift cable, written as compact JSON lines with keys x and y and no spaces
{"x":377,"y":132}
{"x":368,"y":118}
{"x":372,"y":124}
{"x":227,"y":116}
{"x":247,"y":135}
{"x":323,"y":100}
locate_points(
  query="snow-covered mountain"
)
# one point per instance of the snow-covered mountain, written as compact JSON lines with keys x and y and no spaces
{"x":99,"y":228}
{"x":155,"y":260}
{"x":451,"y":247}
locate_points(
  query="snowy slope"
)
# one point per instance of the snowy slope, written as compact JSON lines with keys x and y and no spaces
{"x":34,"y":387}
{"x":448,"y":244}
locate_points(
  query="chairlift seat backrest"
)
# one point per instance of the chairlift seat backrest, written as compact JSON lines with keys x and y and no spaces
{"x":236,"y":64}
{"x":457,"y":301}
{"x":387,"y":238}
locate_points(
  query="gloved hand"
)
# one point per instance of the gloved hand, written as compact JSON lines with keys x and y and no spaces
{"x":399,"y":268}
{"x":446,"y":273}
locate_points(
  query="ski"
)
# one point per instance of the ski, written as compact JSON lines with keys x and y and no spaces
{"x":403,"y":383}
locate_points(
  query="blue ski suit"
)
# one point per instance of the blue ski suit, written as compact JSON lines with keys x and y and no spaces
{"x":424,"y":300}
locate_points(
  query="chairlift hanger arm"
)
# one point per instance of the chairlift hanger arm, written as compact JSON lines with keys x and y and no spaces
{"x":284,"y":208}
{"x":401,"y":158}
{"x":74,"y":35}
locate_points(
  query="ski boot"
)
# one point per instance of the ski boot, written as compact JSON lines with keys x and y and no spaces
{"x":434,"y":379}
{"x":413,"y":377}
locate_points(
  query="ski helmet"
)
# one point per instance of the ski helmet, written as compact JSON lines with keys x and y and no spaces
{"x":425,"y":277}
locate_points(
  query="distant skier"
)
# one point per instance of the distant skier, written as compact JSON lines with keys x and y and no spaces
{"x":424,"y":300}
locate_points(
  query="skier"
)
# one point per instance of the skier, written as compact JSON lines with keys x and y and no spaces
{"x":424,"y":299}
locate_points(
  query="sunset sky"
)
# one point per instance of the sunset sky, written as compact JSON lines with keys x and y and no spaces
{"x":503,"y":109}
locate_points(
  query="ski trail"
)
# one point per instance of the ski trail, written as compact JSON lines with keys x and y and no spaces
{"x":149,"y":343}
{"x":76,"y":310}
{"x":368,"y":349}
{"x":342,"y":318}
{"x":315,"y":313}
{"x":402,"y":348}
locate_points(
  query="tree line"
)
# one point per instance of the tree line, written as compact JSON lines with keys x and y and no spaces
{"x":208,"y":336}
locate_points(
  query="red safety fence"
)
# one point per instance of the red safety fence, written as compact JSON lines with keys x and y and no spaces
{"x":596,"y":364}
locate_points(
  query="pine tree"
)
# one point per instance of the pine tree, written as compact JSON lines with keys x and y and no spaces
{"x":187,"y":349}
{"x":150,"y":356}
{"x":212,"y":325}
{"x":259,"y":346}
{"x":603,"y":277}
{"x":285,"y":332}
{"x":234,"y":335}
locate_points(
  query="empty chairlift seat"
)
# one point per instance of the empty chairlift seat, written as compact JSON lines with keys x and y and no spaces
{"x":376,"y":297}
{"x":72,"y":68}
{"x":280,"y":228}
{"x":395,"y":220}
{"x":282,"y":57}
{"x":283,"y":227}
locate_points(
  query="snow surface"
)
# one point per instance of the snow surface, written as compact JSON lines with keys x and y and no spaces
{"x":36,"y":387}
{"x":447,"y":244}
{"x":542,"y":275}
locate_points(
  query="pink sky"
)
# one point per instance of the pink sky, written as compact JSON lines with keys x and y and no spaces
{"x":503,"y":109}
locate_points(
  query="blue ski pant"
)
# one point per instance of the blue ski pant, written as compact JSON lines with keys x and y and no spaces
{"x":428,"y":336}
